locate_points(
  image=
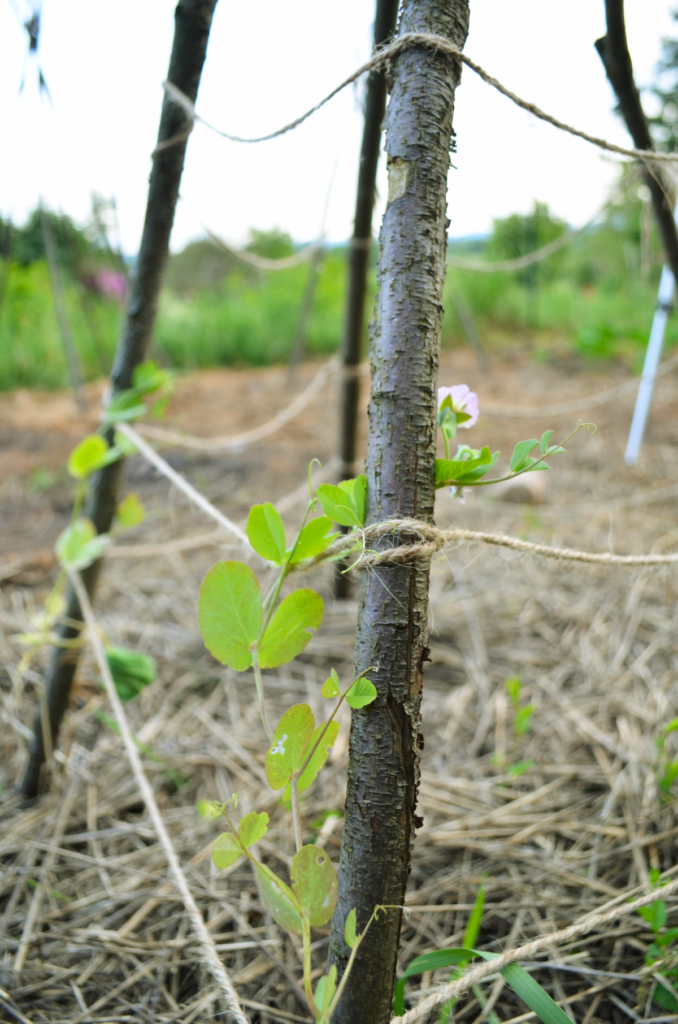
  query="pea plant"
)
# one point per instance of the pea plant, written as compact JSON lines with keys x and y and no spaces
{"x":458,"y":407}
{"x":250,"y":627}
{"x":246,"y":628}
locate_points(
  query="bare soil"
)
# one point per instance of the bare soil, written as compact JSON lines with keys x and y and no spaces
{"x":558,"y":820}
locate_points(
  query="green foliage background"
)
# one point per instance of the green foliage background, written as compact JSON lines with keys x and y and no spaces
{"x":593,"y":299}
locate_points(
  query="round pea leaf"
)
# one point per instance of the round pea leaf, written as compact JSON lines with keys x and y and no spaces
{"x":330,"y":687}
{"x":315,"y":537}
{"x":278,"y":898}
{"x":350,"y":937}
{"x":252,"y":827}
{"x":314,"y":882}
{"x":266,"y":532}
{"x":131,"y":671}
{"x":79,"y":544}
{"x":362,"y":692}
{"x":290,"y":744}
{"x":310,"y":772}
{"x":230,"y":613}
{"x":89,"y":455}
{"x":227,"y":849}
{"x":289,"y":630}
{"x":325,"y":989}
{"x":130,"y":512}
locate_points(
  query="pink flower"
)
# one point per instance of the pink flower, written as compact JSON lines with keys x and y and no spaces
{"x":111,"y":284}
{"x":463,"y":400}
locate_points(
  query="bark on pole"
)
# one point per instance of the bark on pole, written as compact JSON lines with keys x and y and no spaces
{"x":613,"y":49}
{"x":383,"y":771}
{"x":385,"y":19}
{"x":193,"y":20}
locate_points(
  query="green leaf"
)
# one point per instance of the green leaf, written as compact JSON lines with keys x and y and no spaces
{"x":475,"y":919}
{"x":314,"y":882}
{"x":523,"y":717}
{"x":207,"y":809}
{"x":331,"y":686}
{"x":428,"y":962}
{"x":479,"y":471}
{"x":530,"y":465}
{"x":531,"y":992}
{"x":278,"y":898}
{"x":449,"y":470}
{"x":520,"y":767}
{"x":252,"y":827}
{"x":662,"y":997}
{"x":290,"y":744}
{"x":149,"y":377}
{"x":266,"y":532}
{"x":227,"y":849}
{"x":350,"y":937}
{"x":79,"y":545}
{"x":130,"y":512}
{"x":230,"y":613}
{"x":325,"y":990}
{"x":90,"y":454}
{"x":314,"y":538}
{"x":520,"y":453}
{"x":124,"y":406}
{"x":514,"y":687}
{"x":544,"y":443}
{"x":310,"y":772}
{"x":339,"y":505}
{"x":131,"y":671}
{"x":362,"y":692}
{"x":655,"y":914}
{"x":289,"y":630}
{"x":357,"y":491}
{"x":521,"y":982}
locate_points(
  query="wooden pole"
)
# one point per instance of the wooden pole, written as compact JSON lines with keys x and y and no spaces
{"x":613,"y":50}
{"x":360,"y":247}
{"x":193,"y":19}
{"x":392,"y":633}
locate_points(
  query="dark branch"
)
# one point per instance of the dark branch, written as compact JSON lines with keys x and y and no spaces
{"x":613,"y":49}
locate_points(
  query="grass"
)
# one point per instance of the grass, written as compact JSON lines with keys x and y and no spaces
{"x":589,"y":301}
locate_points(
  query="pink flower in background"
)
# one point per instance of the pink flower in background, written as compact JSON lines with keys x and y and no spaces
{"x":112,"y":284}
{"x":463,"y":400}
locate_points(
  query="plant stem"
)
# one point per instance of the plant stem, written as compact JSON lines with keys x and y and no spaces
{"x":308,"y":986}
{"x":300,"y":772}
{"x":296,"y":813}
{"x":260,"y":693}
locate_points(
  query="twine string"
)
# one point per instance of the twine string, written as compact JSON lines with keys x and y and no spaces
{"x":474,"y":975}
{"x":204,"y":937}
{"x":428,"y":540}
{"x":441,"y":45}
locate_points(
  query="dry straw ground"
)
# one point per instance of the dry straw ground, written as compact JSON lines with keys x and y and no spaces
{"x":90,"y":927}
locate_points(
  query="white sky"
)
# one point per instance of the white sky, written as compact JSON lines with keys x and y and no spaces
{"x":267,"y":62}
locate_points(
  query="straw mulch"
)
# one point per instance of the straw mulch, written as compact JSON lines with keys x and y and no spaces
{"x":92,"y":930}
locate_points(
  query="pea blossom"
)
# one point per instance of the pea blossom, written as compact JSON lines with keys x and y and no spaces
{"x":463,"y":400}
